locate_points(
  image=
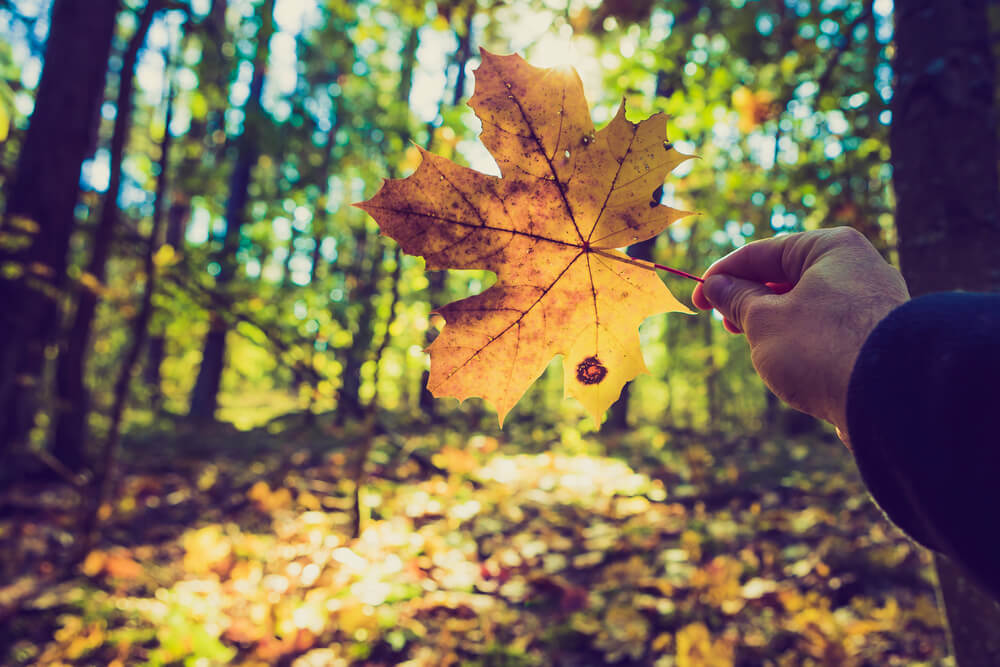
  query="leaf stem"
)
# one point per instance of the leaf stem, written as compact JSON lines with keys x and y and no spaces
{"x":652,"y":266}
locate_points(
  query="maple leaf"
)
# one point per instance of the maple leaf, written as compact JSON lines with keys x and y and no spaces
{"x":548,"y":229}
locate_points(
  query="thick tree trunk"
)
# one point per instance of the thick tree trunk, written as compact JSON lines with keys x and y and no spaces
{"x":944,"y":159}
{"x":72,"y":398}
{"x":204,"y":396}
{"x":44,"y":193}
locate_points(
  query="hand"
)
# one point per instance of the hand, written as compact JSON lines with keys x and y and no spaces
{"x":806,"y":302}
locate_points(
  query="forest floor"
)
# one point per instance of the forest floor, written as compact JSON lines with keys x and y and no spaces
{"x":536,"y":549}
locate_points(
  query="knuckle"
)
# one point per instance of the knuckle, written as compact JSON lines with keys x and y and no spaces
{"x":848,"y":235}
{"x":750,"y":312}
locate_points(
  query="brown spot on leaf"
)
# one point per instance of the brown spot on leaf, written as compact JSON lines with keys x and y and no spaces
{"x":591,"y":371}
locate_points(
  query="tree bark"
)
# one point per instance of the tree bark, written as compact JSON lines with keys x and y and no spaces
{"x":72,"y":397}
{"x":44,"y":191}
{"x":204,"y":396}
{"x":944,"y":157}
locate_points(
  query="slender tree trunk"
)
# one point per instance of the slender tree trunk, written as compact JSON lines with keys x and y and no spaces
{"x":349,"y":403}
{"x":156,"y":352}
{"x":204,"y":396}
{"x":72,"y":398}
{"x":618,"y":417}
{"x":41,"y":201}
{"x":105,"y":471}
{"x":437,"y":280}
{"x":943,"y":139}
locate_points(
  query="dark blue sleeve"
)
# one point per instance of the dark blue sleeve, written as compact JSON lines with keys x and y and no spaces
{"x":923,"y":415}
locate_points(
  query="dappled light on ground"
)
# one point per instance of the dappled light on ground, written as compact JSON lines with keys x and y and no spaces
{"x":506,"y":558}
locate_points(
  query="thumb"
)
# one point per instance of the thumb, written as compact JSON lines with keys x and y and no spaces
{"x":732,"y":297}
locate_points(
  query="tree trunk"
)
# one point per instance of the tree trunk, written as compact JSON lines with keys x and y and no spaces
{"x":943,"y":139}
{"x":72,"y":398}
{"x":618,"y":417}
{"x":44,"y":193}
{"x":204,"y":396}
{"x":105,"y":469}
{"x":157,"y":349}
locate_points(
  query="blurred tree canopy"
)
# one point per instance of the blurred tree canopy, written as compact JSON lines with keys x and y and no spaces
{"x":281,"y":114}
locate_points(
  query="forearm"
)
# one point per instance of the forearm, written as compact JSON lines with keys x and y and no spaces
{"x":922,"y":410}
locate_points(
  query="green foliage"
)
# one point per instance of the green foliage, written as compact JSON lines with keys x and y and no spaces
{"x":785,"y":103}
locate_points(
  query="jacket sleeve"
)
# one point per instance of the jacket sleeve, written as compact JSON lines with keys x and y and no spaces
{"x":923,"y":415}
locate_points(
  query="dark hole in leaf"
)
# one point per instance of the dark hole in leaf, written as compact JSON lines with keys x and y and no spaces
{"x":591,"y":371}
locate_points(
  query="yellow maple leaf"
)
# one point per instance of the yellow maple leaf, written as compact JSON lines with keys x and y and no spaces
{"x":549,"y":229}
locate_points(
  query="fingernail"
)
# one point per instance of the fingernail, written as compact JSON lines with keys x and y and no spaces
{"x":716,"y":287}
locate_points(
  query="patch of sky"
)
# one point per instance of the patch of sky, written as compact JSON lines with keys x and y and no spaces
{"x":430,"y":77}
{"x":761,"y":149}
{"x":186,"y":79}
{"x":883,"y":28}
{"x":302,"y":216}
{"x":234,"y":122}
{"x":31,"y":72}
{"x":218,"y":227}
{"x":272,"y":271}
{"x":197,"y":230}
{"x":239,"y":91}
{"x":885,"y":117}
{"x":679,"y":233}
{"x":883,"y":81}
{"x":725,"y":134}
{"x":836,"y":121}
{"x":832,"y":148}
{"x":478,"y":157}
{"x":629,"y":42}
{"x":328,"y":249}
{"x":282,"y":75}
{"x":857,"y":99}
{"x":149,"y":74}
{"x":181,"y":122}
{"x":252,"y":266}
{"x":96,"y":172}
{"x":688,"y":148}
{"x":765,"y":24}
{"x":282,"y":228}
{"x":788,"y":150}
{"x":829,"y":27}
{"x":24,"y":102}
{"x":661,"y":22}
{"x":300,"y":264}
